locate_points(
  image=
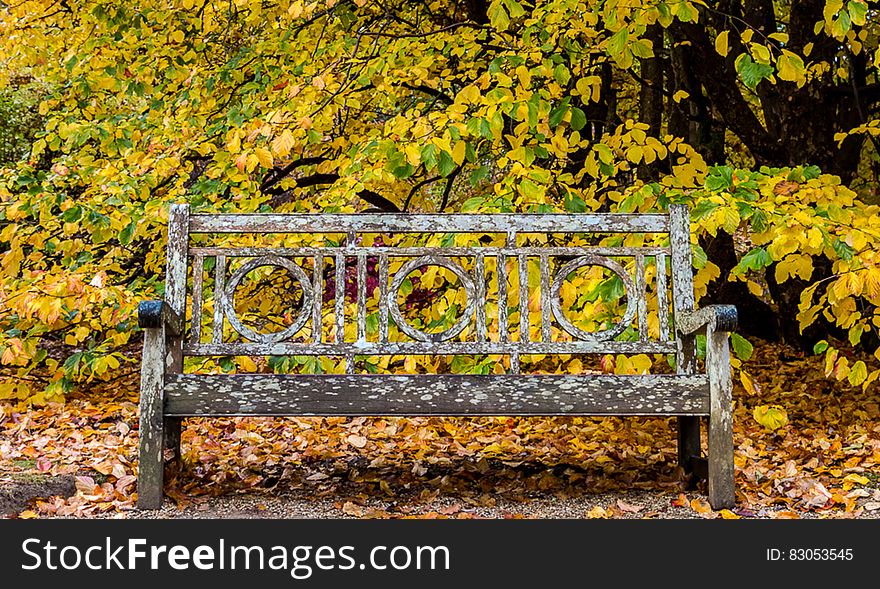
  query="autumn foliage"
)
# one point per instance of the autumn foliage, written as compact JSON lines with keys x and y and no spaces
{"x":499,"y":105}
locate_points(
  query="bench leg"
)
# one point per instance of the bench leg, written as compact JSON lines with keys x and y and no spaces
{"x":688,"y":442}
{"x":721,"y":469}
{"x":152,"y":427}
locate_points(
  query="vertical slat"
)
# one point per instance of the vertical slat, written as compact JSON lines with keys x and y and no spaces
{"x":480,"y":283}
{"x":662,"y":304}
{"x":683,"y":300}
{"x":339,"y":298}
{"x":318,"y":301}
{"x":219,"y":285}
{"x":504,"y":303}
{"x":544,"y":262}
{"x":523,"y":298}
{"x":195,"y":326}
{"x":350,"y":243}
{"x":177,"y":259}
{"x":642,"y":297}
{"x":178,"y":244}
{"x":682,"y":272}
{"x":362,"y":297}
{"x":544,"y":268}
{"x":501,"y":267}
{"x":151,"y":429}
{"x":383,"y":298}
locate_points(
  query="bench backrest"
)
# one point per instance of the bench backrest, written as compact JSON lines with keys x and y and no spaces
{"x":311,"y":267}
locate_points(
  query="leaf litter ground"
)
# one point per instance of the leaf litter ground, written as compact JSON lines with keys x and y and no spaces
{"x":824,"y":463}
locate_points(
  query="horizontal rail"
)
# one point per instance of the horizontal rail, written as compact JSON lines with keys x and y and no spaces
{"x":420,"y":223}
{"x":272,"y":394}
{"x":308,"y":252}
{"x":426,"y":348}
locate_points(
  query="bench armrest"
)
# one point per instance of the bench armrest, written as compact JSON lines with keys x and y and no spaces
{"x":153,"y":314}
{"x":720,"y":317}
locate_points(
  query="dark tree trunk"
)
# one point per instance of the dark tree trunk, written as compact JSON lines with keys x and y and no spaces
{"x":651,"y":95}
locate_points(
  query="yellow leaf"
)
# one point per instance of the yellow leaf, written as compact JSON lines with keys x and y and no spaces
{"x":598,"y":513}
{"x":679,"y":96}
{"x":247,"y":364}
{"x":727,"y":514}
{"x":790,"y":67}
{"x":283,"y":143}
{"x":721,"y":45}
{"x":794,"y":265}
{"x":264,"y":157}
{"x":857,"y":374}
{"x":458,"y":152}
{"x":771,"y":417}
{"x":747,"y":383}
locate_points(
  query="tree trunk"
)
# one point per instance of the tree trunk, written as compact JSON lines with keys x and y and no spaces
{"x":651,"y":95}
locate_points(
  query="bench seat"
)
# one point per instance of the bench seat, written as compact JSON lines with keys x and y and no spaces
{"x":435,"y":394}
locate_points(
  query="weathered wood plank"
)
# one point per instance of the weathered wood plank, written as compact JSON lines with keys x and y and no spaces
{"x":317,"y":298}
{"x":419,"y":251}
{"x":219,"y":286}
{"x":682,"y":280}
{"x":504,"y":301}
{"x":641,"y":295}
{"x":361,"y":319}
{"x":272,"y":394}
{"x":151,"y":431}
{"x":409,"y":223}
{"x":662,"y":303}
{"x":523,"y":273}
{"x":683,"y":301}
{"x":546,"y":317}
{"x":339,"y":298}
{"x":177,"y":261}
{"x":501,"y":271}
{"x":195,"y":326}
{"x":418,"y":347}
{"x":176,"y":257}
{"x":383,"y":298}
{"x":480,"y":296}
{"x":721,"y":468}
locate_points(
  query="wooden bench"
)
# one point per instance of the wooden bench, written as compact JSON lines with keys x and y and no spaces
{"x":168,"y":394}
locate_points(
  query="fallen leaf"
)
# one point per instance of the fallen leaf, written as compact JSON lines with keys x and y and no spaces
{"x":700,"y":506}
{"x":623,"y":506}
{"x":357,"y":441}
{"x":680,"y":501}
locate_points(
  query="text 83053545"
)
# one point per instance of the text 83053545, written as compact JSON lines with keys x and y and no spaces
{"x":843,"y":554}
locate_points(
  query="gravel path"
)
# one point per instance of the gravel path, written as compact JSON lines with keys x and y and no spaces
{"x":629,"y":505}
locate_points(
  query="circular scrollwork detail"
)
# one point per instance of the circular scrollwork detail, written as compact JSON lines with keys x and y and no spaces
{"x":556,"y":299}
{"x":417,"y":334}
{"x":228,"y":298}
